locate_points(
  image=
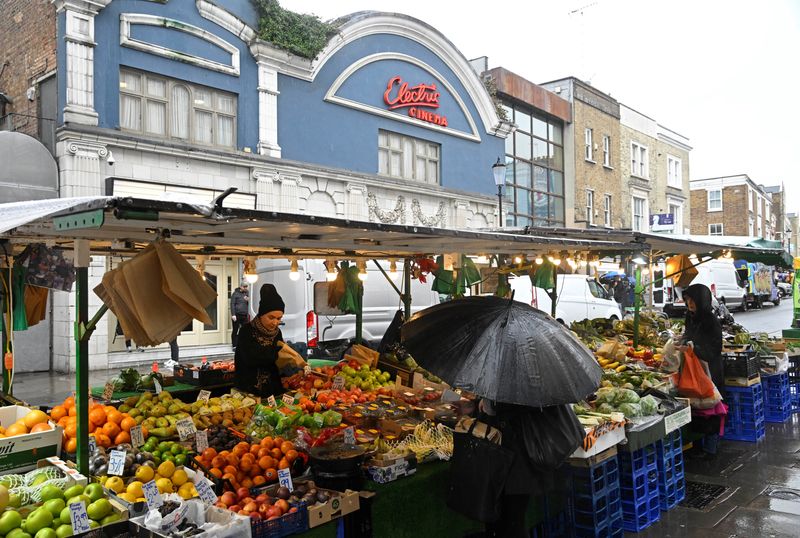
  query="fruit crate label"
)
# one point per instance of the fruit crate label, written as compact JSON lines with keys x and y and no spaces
{"x":349,"y":436}
{"x":203,"y":396}
{"x":116,"y":462}
{"x":152,"y":495}
{"x":78,"y":518}
{"x":201,"y":441}
{"x":285,"y":479}
{"x":271,"y":401}
{"x":186,"y":428}
{"x":204,"y":490}
{"x":108,"y":390}
{"x":288,"y":399}
{"x":137,"y":437}
{"x":157,"y":386}
{"x":338,"y":383}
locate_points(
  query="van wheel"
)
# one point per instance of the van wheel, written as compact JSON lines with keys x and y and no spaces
{"x":614,"y":318}
{"x":561,"y":321}
{"x":777,"y":301}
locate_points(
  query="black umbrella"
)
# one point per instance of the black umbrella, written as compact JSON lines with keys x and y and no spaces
{"x":503,"y":350}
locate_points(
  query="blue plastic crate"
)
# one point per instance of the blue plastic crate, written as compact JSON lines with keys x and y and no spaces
{"x":612,"y":529}
{"x":596,"y":479}
{"x":745,"y":394}
{"x":637,"y":516}
{"x":794,"y":396}
{"x":779,"y":415}
{"x":750,"y":432}
{"x":669,"y":496}
{"x":636,"y":461}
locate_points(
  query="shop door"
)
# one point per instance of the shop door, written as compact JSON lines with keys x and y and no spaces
{"x":218,"y":276}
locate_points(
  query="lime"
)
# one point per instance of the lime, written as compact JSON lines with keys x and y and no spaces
{"x":180,"y":459}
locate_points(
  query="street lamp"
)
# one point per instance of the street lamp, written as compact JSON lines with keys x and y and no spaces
{"x":499,"y":172}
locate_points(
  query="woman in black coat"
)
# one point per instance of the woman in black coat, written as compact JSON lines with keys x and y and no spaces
{"x":258,"y":346}
{"x":703,"y":330}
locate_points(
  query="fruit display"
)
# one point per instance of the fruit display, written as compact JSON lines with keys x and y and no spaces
{"x":221,"y":438}
{"x":161,"y":451}
{"x":134,"y":458}
{"x":237,"y":418}
{"x":362,"y":376}
{"x":396,"y":354}
{"x":252,"y":465}
{"x":268,"y":421}
{"x":169,"y":478}
{"x":107,"y":424}
{"x":129,"y":380}
{"x":33,"y":422}
{"x":264,"y":506}
{"x":158,"y":413}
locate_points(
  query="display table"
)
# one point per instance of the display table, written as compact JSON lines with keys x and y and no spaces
{"x":414,"y":507}
{"x":177,"y":390}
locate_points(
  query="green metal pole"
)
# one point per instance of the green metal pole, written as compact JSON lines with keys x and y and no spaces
{"x":554,"y":294}
{"x":82,"y":367}
{"x":407,"y":287}
{"x":637,"y":303}
{"x":6,"y":373}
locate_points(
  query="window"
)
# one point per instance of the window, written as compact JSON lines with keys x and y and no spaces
{"x":640,"y":165}
{"x":534,"y":169}
{"x":758,"y":205}
{"x":589,"y":206}
{"x":750,"y":226}
{"x":168,"y":108}
{"x":408,"y":158}
{"x":715,"y":200}
{"x":674,"y":172}
{"x":750,"y":199}
{"x":676,"y":210}
{"x":760,"y":228}
{"x":607,"y":151}
{"x":715,"y":229}
{"x":597,"y":289}
{"x":607,"y":210}
{"x":587,"y":150}
{"x":639,"y":214}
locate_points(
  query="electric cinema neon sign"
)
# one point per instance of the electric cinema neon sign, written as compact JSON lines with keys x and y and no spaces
{"x":416,"y":99}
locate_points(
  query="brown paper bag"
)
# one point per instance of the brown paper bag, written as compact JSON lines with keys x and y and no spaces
{"x":366,"y":353}
{"x":183,"y":284}
{"x":289,"y":357}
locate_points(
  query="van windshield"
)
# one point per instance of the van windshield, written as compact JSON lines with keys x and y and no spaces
{"x":597,"y":289}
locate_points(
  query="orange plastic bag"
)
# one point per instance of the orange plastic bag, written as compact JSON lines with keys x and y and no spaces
{"x":693,"y":382}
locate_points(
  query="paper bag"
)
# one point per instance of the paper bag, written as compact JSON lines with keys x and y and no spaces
{"x":288,"y":358}
{"x":363,"y":352}
{"x":183,"y":284}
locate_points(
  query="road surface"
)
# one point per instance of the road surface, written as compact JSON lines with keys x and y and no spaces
{"x":770,"y":319}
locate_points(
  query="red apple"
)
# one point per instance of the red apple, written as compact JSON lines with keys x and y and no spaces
{"x":261,"y":499}
{"x":274,"y":511}
{"x":229,"y":498}
{"x":255,"y":516}
{"x":273,"y":517}
{"x":243,"y":513}
{"x":235,"y":508}
{"x":247,"y":500}
{"x":241,"y":493}
{"x":250,"y":507}
{"x":263,"y":508}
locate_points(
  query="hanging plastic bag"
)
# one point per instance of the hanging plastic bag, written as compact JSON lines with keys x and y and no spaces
{"x":693,"y":382}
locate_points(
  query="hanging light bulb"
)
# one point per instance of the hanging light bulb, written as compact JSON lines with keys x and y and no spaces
{"x":294,"y":273}
{"x":582,"y":262}
{"x":555,"y":260}
{"x":539,"y":260}
{"x":392,"y":266}
{"x":249,"y":270}
{"x":362,"y":270}
{"x":201,"y":266}
{"x":518,"y":260}
{"x":330,"y":270}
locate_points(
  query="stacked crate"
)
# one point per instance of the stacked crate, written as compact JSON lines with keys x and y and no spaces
{"x":671,"y":481}
{"x":777,"y":398}
{"x":638,"y":479}
{"x":794,"y":382}
{"x":745,"y":420}
{"x":596,"y":504}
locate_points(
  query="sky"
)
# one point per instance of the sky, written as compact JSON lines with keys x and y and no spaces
{"x":722,"y":73}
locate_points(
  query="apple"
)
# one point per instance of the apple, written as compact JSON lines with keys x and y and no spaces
{"x":263,"y":508}
{"x":274,"y":511}
{"x":255,"y":516}
{"x":250,"y":507}
{"x":243,"y":513}
{"x":247,"y":500}
{"x":220,"y":504}
{"x":241,"y":493}
{"x":229,"y":498}
{"x":261,"y":499}
{"x":235,"y":508}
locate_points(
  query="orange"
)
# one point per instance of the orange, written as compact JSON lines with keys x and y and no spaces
{"x":72,"y":420}
{"x":245,"y":465}
{"x":283,"y":464}
{"x":263,"y":452}
{"x":232,"y":460}
{"x":18,"y":428}
{"x":111,"y":429}
{"x":286,"y":446}
{"x":219,"y":462}
{"x":62,"y":422}
{"x":41,"y":427}
{"x":58,"y":412}
{"x":69,"y":401}
{"x":209,"y":453}
{"x":127,"y":423}
{"x":255,"y":449}
{"x":276,"y":453}
{"x":71,"y":431}
{"x":114,"y":416}
{"x":230,"y":469}
{"x":239,"y":451}
{"x":216,"y":472}
{"x":265,"y":462}
{"x":247,"y":483}
{"x":98,"y":416}
{"x":255,"y":471}
{"x":102,"y":440}
{"x":259,"y":480}
{"x":267,"y":442}
{"x":291,"y":455}
{"x":71,"y":445}
{"x":271,"y":475}
{"x":73,"y":411}
{"x":122,"y":437}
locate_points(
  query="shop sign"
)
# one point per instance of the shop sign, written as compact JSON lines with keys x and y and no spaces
{"x":416,"y":99}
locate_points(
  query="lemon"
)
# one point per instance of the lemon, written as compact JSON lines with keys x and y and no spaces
{"x":135,"y":489}
{"x":102,"y":480}
{"x":144,"y":474}
{"x":141,"y":500}
{"x":185,"y":491}
{"x":166,"y":469}
{"x":164,"y":485}
{"x":128,"y":497}
{"x":115,"y":484}
{"x":179,"y":477}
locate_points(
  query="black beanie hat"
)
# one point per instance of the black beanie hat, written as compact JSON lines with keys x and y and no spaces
{"x":270,"y":300}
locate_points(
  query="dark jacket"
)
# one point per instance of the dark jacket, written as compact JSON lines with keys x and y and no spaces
{"x":703,"y":329}
{"x":239,"y":303}
{"x":256,"y":366}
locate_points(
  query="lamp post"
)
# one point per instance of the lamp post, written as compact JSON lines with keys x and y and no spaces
{"x":499,"y":172}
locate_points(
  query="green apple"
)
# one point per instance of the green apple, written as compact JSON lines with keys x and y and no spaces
{"x":52,"y":492}
{"x":38,"y":519}
{"x":55,"y":506}
{"x":110,"y":518}
{"x":99,"y":509}
{"x":79,"y":498}
{"x":94,"y":491}
{"x":64,"y":531}
{"x":72,"y":491}
{"x":93,"y":524}
{"x":14,"y":500}
{"x":47,"y":532}
{"x":18,"y":533}
{"x":64,"y":516}
{"x":56,"y":523}
{"x":9,"y":521}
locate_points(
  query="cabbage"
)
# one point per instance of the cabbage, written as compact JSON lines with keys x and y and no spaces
{"x":649,"y":405}
{"x":606,"y":395}
{"x":630,"y":410}
{"x":606,"y":408}
{"x":625,"y":396}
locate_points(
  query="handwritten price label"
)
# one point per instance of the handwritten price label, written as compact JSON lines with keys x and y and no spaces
{"x":338,"y":383}
{"x":201,"y":440}
{"x":288,"y":399}
{"x":157,"y":386}
{"x":108,"y":390}
{"x":137,"y":437}
{"x":78,"y":518}
{"x":204,"y":490}
{"x":116,"y":462}
{"x":203,"y":396}
{"x":349,"y":436}
{"x":271,"y":401}
{"x":151,"y":495}
{"x":92,"y":446}
{"x":285,"y":479}
{"x":186,"y":428}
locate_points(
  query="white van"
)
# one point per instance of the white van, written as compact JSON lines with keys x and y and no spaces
{"x":579,"y":297}
{"x":721,"y":278}
{"x":313,"y":331}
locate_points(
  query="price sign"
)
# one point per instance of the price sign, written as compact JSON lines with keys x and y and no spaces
{"x":271,"y":401}
{"x":78,"y":518}
{"x":157,"y":386}
{"x":349,"y":436}
{"x":338,"y":383}
{"x":152,"y":495}
{"x":186,"y":428}
{"x":137,"y":437}
{"x":201,"y":440}
{"x":116,"y":462}
{"x":108,"y":390}
{"x":285,"y":479}
{"x":288,"y":399}
{"x":204,"y":490}
{"x":203,"y":396}
{"x":92,"y":445}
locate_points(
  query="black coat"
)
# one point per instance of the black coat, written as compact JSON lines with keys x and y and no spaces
{"x":702,"y":328}
{"x":256,"y":364}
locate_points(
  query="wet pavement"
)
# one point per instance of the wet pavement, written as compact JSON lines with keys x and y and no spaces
{"x":763,"y":497}
{"x":770,"y":319}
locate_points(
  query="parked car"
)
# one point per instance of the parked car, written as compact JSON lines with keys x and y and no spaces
{"x":579,"y":297}
{"x":316,"y":330}
{"x":784,"y":289}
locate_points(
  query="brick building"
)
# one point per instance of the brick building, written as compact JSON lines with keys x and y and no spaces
{"x":781,"y":226}
{"x":731,"y":205}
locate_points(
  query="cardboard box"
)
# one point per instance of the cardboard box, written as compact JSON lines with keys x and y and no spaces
{"x":67,"y":467}
{"x":600,"y":438}
{"x":591,"y":461}
{"x":22,"y":452}
{"x":742,"y":381}
{"x":345,"y":503}
{"x":385,"y":470}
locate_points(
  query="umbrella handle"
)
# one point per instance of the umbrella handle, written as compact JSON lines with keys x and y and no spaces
{"x":508,"y":309}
